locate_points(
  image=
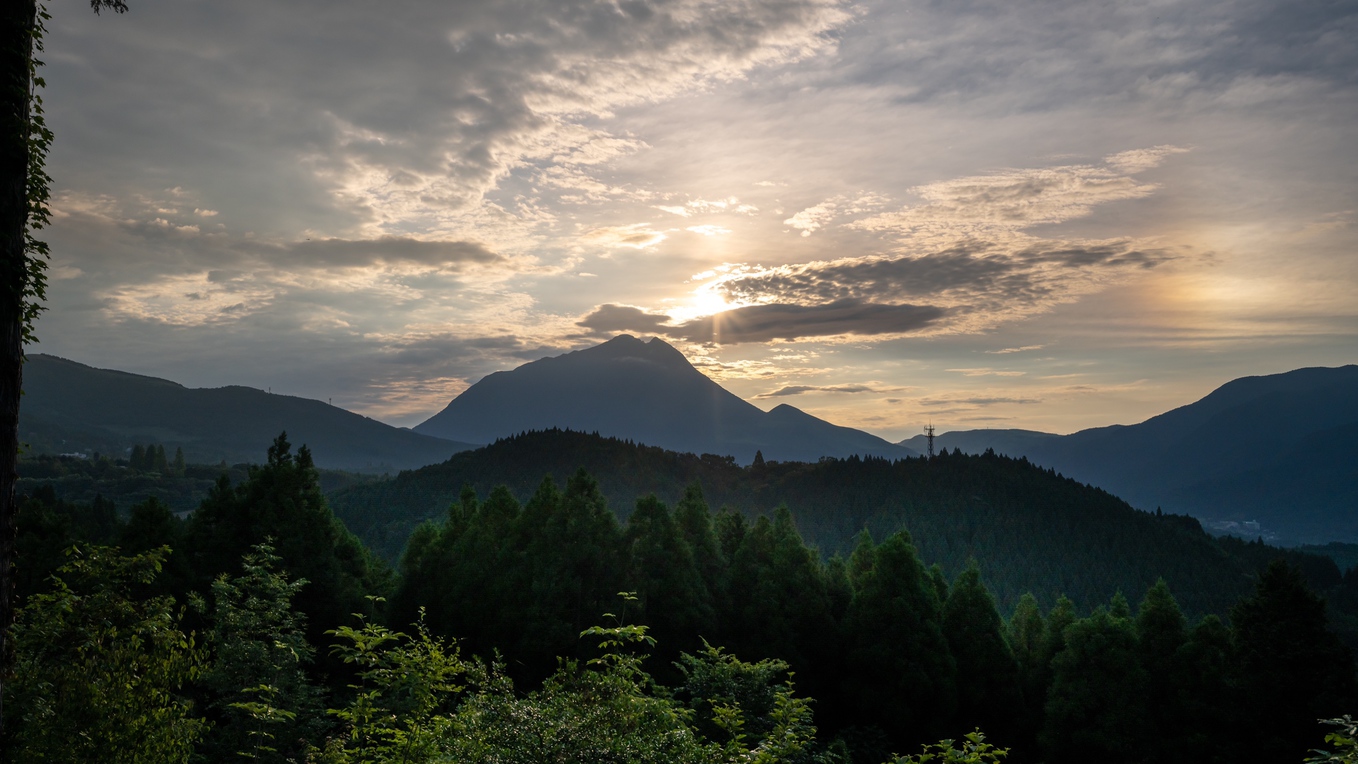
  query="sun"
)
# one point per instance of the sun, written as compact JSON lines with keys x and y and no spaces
{"x":705,"y":300}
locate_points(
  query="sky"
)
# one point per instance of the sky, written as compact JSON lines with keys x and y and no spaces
{"x":972,"y":213}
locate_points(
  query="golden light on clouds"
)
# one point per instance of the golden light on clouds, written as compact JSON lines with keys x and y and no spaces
{"x":861,"y":214}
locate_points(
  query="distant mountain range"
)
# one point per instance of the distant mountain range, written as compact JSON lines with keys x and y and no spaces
{"x":71,"y":407}
{"x":647,"y":392}
{"x":1279,"y":450}
{"x":1275,"y":456}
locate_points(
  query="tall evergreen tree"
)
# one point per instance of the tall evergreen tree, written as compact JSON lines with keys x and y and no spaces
{"x":694,"y":520}
{"x":1208,"y":699}
{"x":661,"y":570}
{"x":1294,"y":670}
{"x":1028,"y":639}
{"x":1096,"y":705}
{"x":900,"y":674}
{"x":987,"y":673}
{"x":573,"y":547}
{"x":1059,"y":618}
{"x":150,"y":526}
{"x":137,"y":459}
{"x":282,"y":500}
{"x":1160,"y":636}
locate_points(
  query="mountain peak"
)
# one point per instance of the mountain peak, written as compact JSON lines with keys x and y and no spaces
{"x":626,"y":346}
{"x":647,"y":391}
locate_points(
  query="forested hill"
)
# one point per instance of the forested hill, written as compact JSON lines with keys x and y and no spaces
{"x":1030,"y":529}
{"x":71,"y":407}
{"x":1280,"y":449}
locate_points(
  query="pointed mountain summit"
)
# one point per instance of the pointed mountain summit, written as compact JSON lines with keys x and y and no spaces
{"x":646,"y":391}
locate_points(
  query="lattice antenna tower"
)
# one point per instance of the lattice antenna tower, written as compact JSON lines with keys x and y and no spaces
{"x":929,"y":435}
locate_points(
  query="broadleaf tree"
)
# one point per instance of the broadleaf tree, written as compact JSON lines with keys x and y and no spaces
{"x":24,"y":190}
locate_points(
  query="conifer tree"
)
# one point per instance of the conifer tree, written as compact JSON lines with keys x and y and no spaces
{"x":282,"y":500}
{"x":1096,"y":705}
{"x":862,"y":558}
{"x":1160,"y":635}
{"x":1293,"y":669}
{"x":1059,"y":618}
{"x":987,"y":673}
{"x":1028,"y":639}
{"x":694,"y":520}
{"x":1208,"y":698}
{"x":573,"y":547}
{"x":179,"y":466}
{"x":939,"y":581}
{"x":661,"y":570}
{"x":900,"y":674}
{"x":137,"y":459}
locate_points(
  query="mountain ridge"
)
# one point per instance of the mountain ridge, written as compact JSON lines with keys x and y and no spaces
{"x":1191,"y":459}
{"x":72,"y":407}
{"x":645,"y":391}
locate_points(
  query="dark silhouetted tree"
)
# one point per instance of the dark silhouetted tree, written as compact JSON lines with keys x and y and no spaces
{"x":900,"y":673}
{"x":1096,"y":705}
{"x":1294,"y":670}
{"x":282,"y":500}
{"x":987,"y":673}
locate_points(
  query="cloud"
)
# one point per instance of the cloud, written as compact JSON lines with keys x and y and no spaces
{"x":1017,"y":199}
{"x":636,"y":236}
{"x":994,"y":400}
{"x":983,"y":283}
{"x":1020,"y":57}
{"x":987,"y":372}
{"x":967,"y":249}
{"x":1006,"y":351}
{"x":803,"y":389}
{"x":762,"y":323}
{"x":614,"y":319}
{"x":811,"y":218}
{"x":410,"y":132}
{"x":390,"y":249}
{"x":708,"y":230}
{"x":709,"y":206}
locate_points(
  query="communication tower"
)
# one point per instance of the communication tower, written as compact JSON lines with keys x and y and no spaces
{"x":929,"y":435}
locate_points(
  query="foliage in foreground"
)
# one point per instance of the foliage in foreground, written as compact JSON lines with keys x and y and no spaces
{"x":896,"y":655}
{"x":100,"y":667}
{"x":1344,"y":741}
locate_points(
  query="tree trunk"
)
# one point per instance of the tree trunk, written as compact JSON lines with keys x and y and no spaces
{"x":16,"y":50}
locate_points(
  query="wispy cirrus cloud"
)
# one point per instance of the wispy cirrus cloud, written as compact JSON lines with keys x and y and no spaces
{"x":851,"y":389}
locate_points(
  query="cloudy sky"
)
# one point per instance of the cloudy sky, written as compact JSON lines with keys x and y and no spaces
{"x":980,"y":213}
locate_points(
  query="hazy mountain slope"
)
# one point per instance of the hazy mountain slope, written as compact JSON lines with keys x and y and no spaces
{"x":647,"y":392}
{"x":1029,"y":529}
{"x":1279,"y":449}
{"x":1006,"y":442}
{"x":69,"y":407}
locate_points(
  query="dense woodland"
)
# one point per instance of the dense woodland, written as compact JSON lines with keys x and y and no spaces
{"x":261,"y":628}
{"x":1029,"y":529}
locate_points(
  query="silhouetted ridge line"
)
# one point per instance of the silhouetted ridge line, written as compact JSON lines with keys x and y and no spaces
{"x":647,"y":392}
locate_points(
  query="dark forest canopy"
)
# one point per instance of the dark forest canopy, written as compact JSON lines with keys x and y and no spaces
{"x":895,"y":652}
{"x":1030,"y":529}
